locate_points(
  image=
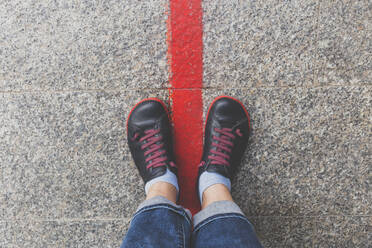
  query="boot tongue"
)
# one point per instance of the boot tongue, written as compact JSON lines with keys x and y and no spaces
{"x":217,"y":168}
{"x":157,"y":172}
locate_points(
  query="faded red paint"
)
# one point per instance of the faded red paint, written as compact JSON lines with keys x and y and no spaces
{"x":185,"y":55}
{"x":188,"y":132}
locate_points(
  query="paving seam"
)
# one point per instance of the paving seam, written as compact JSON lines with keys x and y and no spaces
{"x":362,"y":85}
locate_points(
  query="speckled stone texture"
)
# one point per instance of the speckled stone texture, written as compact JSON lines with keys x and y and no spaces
{"x":283,"y":231}
{"x":345,"y":42}
{"x":70,"y":233}
{"x":259,"y":43}
{"x":70,"y":71}
{"x":6,"y":235}
{"x":59,"y":45}
{"x":343,"y":231}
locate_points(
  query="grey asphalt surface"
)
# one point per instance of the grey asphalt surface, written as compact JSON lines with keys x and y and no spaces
{"x":71,"y":70}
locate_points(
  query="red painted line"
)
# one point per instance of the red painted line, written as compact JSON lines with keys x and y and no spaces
{"x":185,"y":57}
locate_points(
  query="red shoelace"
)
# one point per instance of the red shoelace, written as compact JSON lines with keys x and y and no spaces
{"x":222,"y":149}
{"x":154,"y":143}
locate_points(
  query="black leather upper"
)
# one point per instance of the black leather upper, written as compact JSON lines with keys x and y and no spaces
{"x":149,"y":114}
{"x":225,"y":112}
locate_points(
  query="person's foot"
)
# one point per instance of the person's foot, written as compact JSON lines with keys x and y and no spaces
{"x":150,"y":141}
{"x":225,"y":140}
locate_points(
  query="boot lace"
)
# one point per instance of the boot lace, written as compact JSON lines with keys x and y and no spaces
{"x":154,"y":143}
{"x":222,"y":146}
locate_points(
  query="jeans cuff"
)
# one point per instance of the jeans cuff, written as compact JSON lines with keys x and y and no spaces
{"x":162,"y":200}
{"x":219,"y":207}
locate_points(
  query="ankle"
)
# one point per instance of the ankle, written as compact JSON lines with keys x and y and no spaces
{"x":214,"y":193}
{"x":163,"y":189}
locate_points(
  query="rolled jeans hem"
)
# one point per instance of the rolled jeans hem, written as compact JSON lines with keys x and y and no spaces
{"x":216,"y":208}
{"x":157,"y":200}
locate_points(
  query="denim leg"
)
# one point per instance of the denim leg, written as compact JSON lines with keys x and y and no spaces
{"x":159,"y":223}
{"x":222,"y":224}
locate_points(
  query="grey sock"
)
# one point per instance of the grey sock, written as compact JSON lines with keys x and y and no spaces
{"x":208,"y":179}
{"x":168,"y":177}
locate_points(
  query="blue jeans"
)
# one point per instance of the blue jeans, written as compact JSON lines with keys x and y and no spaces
{"x":159,"y":223}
